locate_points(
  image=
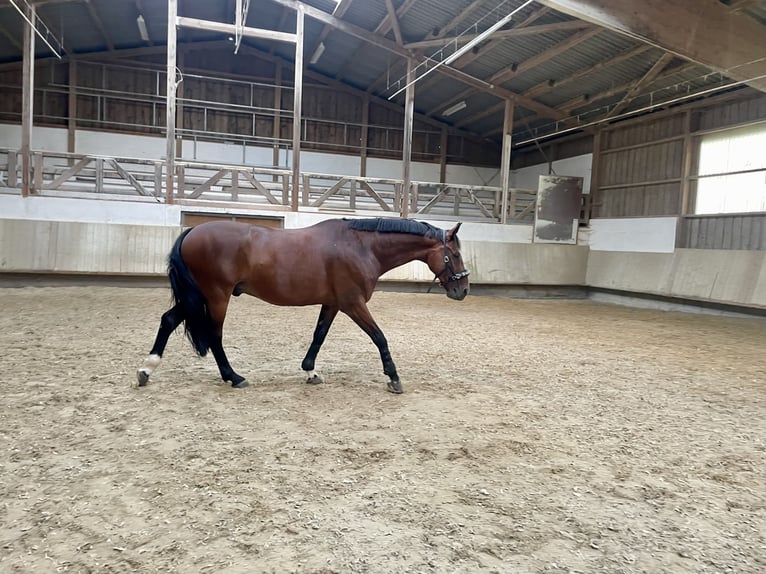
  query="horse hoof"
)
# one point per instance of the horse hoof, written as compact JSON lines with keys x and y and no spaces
{"x":241,"y":384}
{"x":395,"y":387}
{"x":314,"y":380}
{"x":143,"y":377}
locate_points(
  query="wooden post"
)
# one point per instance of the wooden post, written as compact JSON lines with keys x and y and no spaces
{"x":170,"y":106}
{"x":409,"y":109}
{"x":297,"y":96}
{"x":180,"y":109}
{"x":277,"y":131}
{"x":505,"y":162}
{"x":688,"y":155}
{"x":28,"y":100}
{"x":443,"y":156}
{"x":72,"y":109}
{"x":594,"y":197}
{"x":365,"y":135}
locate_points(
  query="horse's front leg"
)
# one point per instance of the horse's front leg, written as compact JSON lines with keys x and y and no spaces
{"x":326,"y":317}
{"x":360,"y":314}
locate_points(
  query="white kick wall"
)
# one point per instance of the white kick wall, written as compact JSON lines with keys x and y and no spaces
{"x":623,"y":254}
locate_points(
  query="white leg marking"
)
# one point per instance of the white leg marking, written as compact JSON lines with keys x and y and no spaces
{"x":151,"y":363}
{"x":310,"y":374}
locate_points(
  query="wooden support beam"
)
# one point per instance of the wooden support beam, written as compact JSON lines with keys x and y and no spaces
{"x":443,"y":141}
{"x":409,"y":110}
{"x":339,"y":12}
{"x":553,"y":84}
{"x":170,"y":106}
{"x":365,"y":135}
{"x":277,"y":127}
{"x":505,"y":162}
{"x":383,"y":27}
{"x":646,"y":80}
{"x":28,"y":102}
{"x":515,"y":32}
{"x":297,"y":100}
{"x":394,"y":48}
{"x":394,"y":22}
{"x":485,"y":48}
{"x":703,"y":31}
{"x":99,"y":24}
{"x":224,"y":28}
{"x":72,"y":107}
{"x":510,"y":72}
{"x":442,"y":31}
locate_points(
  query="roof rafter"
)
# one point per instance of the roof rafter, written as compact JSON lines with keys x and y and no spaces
{"x":454,"y":73}
{"x":501,"y":34}
{"x":99,"y":24}
{"x":482,"y":50}
{"x":645,"y":80}
{"x":383,"y":28}
{"x":690,"y":29}
{"x":340,"y":11}
{"x":579,"y":101}
{"x":507,"y":73}
{"x":394,"y":22}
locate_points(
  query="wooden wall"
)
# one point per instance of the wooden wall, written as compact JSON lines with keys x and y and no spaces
{"x":240,"y":103}
{"x":646,"y":167}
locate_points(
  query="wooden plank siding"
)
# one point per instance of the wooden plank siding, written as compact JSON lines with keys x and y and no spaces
{"x":130,"y":97}
{"x":643,"y":170}
{"x":730,"y":231}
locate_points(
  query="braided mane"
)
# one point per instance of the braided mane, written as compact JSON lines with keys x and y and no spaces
{"x":384,"y":225}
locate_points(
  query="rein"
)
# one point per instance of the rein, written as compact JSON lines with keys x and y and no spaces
{"x":447,"y":268}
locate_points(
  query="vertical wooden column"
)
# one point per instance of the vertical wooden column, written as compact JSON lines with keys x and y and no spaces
{"x":688,"y":155}
{"x":365,"y":135}
{"x":72,"y":108}
{"x":409,"y":110}
{"x":594,"y":197}
{"x":443,"y":156}
{"x":27,"y":107}
{"x":170,"y":106}
{"x":505,"y":162}
{"x":277,"y":131}
{"x":180,"y":108}
{"x":297,"y":97}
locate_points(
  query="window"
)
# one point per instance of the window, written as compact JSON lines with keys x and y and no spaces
{"x":732,"y":171}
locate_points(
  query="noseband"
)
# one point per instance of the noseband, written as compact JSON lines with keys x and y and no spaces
{"x":447,"y":268}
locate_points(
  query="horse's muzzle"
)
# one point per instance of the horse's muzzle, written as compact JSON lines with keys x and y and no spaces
{"x":456,"y":292}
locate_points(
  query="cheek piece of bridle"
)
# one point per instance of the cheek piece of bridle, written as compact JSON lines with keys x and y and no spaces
{"x":447,"y":269}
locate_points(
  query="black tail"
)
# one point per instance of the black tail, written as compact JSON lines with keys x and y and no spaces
{"x":187,"y":295}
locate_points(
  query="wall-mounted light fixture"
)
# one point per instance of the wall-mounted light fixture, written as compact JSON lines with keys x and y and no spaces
{"x":317,"y":53}
{"x":142,"y":28}
{"x":456,"y":108}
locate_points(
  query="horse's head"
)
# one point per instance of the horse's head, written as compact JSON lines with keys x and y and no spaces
{"x":447,"y":265}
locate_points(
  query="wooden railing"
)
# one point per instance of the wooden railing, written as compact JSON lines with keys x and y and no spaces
{"x":78,"y":175}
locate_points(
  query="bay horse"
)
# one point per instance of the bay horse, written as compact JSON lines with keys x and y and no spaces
{"x":335,"y":263}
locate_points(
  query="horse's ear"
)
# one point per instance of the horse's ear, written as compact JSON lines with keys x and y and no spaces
{"x":452,"y":233}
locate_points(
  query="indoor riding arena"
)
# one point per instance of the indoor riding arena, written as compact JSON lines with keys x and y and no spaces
{"x":592,"y":178}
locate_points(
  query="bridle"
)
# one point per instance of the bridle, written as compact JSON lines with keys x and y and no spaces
{"x":447,"y":268}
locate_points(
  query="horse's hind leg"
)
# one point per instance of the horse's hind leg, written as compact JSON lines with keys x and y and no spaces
{"x":169,"y":322}
{"x":326,"y":317}
{"x":217,"y":315}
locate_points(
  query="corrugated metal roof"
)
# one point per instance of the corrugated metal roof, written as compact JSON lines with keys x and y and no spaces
{"x":368,"y":67}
